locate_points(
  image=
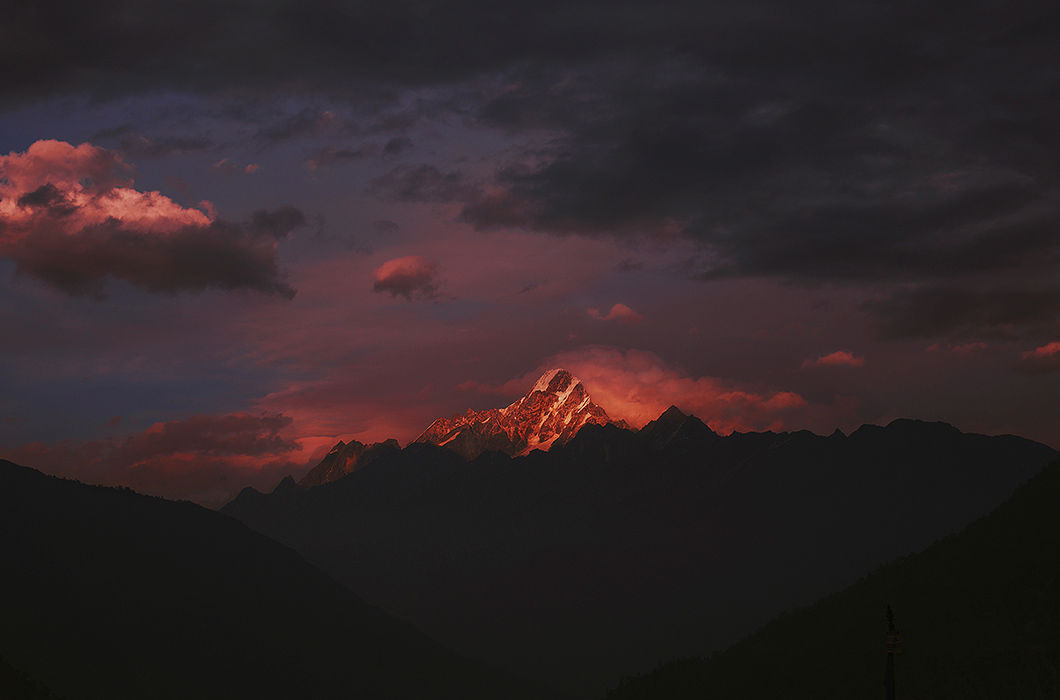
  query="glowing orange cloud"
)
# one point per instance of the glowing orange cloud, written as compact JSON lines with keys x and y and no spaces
{"x":1048,"y":350}
{"x":839,"y":358}
{"x":1041,"y":359}
{"x":411,"y":276}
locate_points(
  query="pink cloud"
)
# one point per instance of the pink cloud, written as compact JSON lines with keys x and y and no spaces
{"x":203,"y":458}
{"x":411,"y":277}
{"x":69,"y":215}
{"x":82,"y":186}
{"x":1047,"y":350}
{"x":618,"y":312}
{"x":839,"y":358}
{"x":1041,"y":359}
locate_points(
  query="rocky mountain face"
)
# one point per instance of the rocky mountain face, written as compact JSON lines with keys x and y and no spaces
{"x":551,"y":413}
{"x":344,"y":458}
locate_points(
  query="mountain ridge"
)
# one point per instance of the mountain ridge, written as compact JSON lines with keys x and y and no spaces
{"x":975,"y":610}
{"x":121,"y":595}
{"x":343,"y":458}
{"x":618,"y":549}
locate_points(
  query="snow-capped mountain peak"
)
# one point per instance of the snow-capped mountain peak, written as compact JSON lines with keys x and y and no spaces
{"x":552,"y":412}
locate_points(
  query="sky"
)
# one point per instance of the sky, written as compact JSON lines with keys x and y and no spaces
{"x":234,"y":233}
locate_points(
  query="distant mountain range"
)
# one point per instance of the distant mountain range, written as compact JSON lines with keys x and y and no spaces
{"x":551,"y":413}
{"x":978,"y":613}
{"x":618,"y":549}
{"x":609,"y":552}
{"x":109,"y":594}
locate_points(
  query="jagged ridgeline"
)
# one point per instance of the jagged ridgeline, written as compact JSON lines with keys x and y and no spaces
{"x":978,"y":613}
{"x":616,"y":549}
{"x":551,"y":413}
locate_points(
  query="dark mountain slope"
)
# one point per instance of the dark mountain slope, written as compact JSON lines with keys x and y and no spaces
{"x":18,"y":685}
{"x":344,"y":458}
{"x":618,"y":550}
{"x":979,"y":613}
{"x":110,"y":594}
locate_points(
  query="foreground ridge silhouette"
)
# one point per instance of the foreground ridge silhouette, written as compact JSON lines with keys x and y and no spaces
{"x":894,"y":646}
{"x":618,"y":550}
{"x":111,"y":594}
{"x":16,"y":684}
{"x":983,"y":607}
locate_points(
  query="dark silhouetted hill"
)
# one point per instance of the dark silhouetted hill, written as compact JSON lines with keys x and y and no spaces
{"x":979,"y":614}
{"x":618,"y":550}
{"x":109,"y":594}
{"x":16,"y":684}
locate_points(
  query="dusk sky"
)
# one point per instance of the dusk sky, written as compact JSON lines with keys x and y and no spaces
{"x":234,"y":233}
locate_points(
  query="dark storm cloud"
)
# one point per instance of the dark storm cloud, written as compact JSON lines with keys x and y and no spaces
{"x":275,"y":223}
{"x":49,"y":197}
{"x":858,"y":143}
{"x":70,"y":216}
{"x":131,"y":142}
{"x":307,"y":122}
{"x":221,"y":255}
{"x":328,"y":157}
{"x":397,"y":145}
{"x":967,"y":311}
{"x":140,"y":145}
{"x":423,"y":183}
{"x":120,"y":47}
{"x":866,"y":146}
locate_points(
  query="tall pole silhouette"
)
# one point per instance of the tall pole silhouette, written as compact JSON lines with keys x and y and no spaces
{"x":894,"y":647}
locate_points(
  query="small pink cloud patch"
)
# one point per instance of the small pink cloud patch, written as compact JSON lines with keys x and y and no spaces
{"x":839,"y":358}
{"x":1041,"y":359}
{"x":618,"y":312}
{"x":411,"y":277}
